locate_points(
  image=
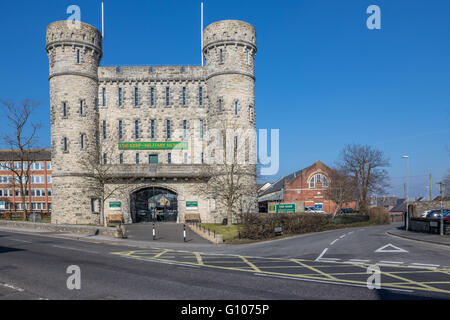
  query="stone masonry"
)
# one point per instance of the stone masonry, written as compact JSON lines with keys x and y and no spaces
{"x":94,"y":109}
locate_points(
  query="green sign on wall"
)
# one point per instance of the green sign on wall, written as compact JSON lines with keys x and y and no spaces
{"x":115,"y":204}
{"x":191,"y":204}
{"x":153,"y":145}
{"x":286,"y":208}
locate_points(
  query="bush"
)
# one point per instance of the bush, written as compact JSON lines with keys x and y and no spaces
{"x":379,"y":215}
{"x":262,"y":225}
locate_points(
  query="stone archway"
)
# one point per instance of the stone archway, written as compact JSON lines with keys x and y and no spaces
{"x":154,"y":204}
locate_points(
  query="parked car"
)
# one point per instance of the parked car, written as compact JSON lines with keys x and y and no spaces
{"x":436,"y":214}
{"x":314,"y":210}
{"x":348,"y":210}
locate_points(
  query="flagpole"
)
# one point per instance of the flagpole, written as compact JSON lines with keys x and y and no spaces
{"x":103,"y":29}
{"x":202,"y":35}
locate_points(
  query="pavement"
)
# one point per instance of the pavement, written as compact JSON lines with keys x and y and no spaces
{"x":419,"y":236}
{"x":327,"y":265}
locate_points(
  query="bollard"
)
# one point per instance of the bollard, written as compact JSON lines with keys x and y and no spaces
{"x":184,"y":233}
{"x":154,"y":233}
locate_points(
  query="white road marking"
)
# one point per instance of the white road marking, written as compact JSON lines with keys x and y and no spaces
{"x":10,"y":286}
{"x":343,"y":236}
{"x":394,"y":249}
{"x":350,"y":233}
{"x":76,"y":249}
{"x":328,"y":282}
{"x":334,"y":241}
{"x":358,"y":260}
{"x":425,"y":265}
{"x":19,"y":240}
{"x":322,"y":254}
{"x":330,"y":259}
{"x":392,"y":262}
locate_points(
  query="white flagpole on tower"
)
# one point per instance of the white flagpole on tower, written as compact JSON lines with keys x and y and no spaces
{"x":103,"y":29}
{"x":202,"y":34}
{"x":103,"y":20}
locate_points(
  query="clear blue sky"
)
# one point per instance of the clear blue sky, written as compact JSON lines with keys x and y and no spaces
{"x":323,"y":78}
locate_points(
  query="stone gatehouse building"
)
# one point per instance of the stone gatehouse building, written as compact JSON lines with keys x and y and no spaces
{"x":148,"y":124}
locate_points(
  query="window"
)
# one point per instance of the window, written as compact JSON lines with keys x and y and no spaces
{"x":169,"y":135}
{"x":49,"y":166}
{"x":152,"y":129}
{"x":65,"y":145}
{"x":120,"y":97}
{"x":137,"y":158}
{"x":121,"y":158}
{"x":64,"y":107}
{"x":49,"y":179}
{"x":236,"y":108}
{"x":81,"y":107}
{"x":105,"y":135}
{"x":221,"y":56}
{"x":136,"y":129}
{"x":200,"y":96}
{"x":83,"y":141}
{"x":318,"y":179}
{"x":78,"y":56}
{"x":152,"y":97}
{"x":220,"y":105}
{"x":185,"y":158}
{"x":203,"y":158}
{"x":201,"y":129}
{"x":153,"y":159}
{"x":169,"y":158}
{"x":120,"y":129}
{"x":49,"y":192}
{"x":136,"y":97}
{"x":104,"y":97}
{"x":167,"y":96}
{"x":105,"y":158}
{"x":184,"y":96}
{"x":185,"y":129}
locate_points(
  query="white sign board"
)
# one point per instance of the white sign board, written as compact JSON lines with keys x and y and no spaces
{"x":2,"y":205}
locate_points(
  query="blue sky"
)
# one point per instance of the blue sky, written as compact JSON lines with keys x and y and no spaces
{"x":323,"y":78}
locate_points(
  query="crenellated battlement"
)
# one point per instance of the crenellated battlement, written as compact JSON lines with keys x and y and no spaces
{"x":137,"y":73}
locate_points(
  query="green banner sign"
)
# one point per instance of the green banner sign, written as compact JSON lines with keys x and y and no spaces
{"x":153,"y":145}
{"x":115,"y":204}
{"x":286,"y":208}
{"x":191,"y":204}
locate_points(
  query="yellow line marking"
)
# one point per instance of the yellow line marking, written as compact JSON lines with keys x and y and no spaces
{"x":407,"y":284}
{"x":314,"y":269}
{"x":250,"y":264}
{"x":199,"y":258}
{"x":160,"y":254}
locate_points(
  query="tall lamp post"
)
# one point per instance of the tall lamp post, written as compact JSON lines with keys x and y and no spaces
{"x":407,"y":189}
{"x":441,"y":187}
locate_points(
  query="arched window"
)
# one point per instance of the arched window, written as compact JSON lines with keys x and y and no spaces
{"x":318,"y":179}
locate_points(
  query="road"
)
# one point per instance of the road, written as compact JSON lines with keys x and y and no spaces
{"x":34,"y":267}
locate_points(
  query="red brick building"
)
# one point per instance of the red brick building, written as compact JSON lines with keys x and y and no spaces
{"x":308,"y":185}
{"x":39,"y":190}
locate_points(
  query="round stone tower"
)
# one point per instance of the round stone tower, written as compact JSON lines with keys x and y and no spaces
{"x":229,"y":50}
{"x":74,"y":54}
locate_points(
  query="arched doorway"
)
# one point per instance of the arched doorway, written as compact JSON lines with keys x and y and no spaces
{"x":154,"y":205}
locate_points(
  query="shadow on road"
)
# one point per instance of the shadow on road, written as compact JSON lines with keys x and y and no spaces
{"x":7,"y":249}
{"x":390,"y":295}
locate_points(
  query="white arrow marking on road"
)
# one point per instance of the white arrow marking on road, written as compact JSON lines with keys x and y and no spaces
{"x":394,"y":249}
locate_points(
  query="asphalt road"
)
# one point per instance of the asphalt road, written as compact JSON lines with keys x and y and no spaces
{"x":34,"y":267}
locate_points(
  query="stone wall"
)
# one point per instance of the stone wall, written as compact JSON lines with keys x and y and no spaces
{"x":87,"y":230}
{"x":417,"y":208}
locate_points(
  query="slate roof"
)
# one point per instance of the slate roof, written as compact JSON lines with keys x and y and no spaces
{"x":36,"y":155}
{"x":399,"y":207}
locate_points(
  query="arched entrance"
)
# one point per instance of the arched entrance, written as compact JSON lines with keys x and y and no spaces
{"x":154,"y":205}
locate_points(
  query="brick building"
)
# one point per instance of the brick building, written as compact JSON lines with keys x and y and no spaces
{"x":39,"y":190}
{"x":308,"y":185}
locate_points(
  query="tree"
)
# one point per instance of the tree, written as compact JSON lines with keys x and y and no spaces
{"x":341,"y":188}
{"x":106,"y":184}
{"x":232,"y":181}
{"x":21,"y":142}
{"x":365,"y":165}
{"x":447,"y":184}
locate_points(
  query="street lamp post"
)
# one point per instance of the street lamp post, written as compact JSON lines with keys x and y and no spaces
{"x":441,"y":187}
{"x":407,"y":189}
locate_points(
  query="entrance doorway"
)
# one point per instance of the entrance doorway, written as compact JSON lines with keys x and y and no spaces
{"x":154,"y":205}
